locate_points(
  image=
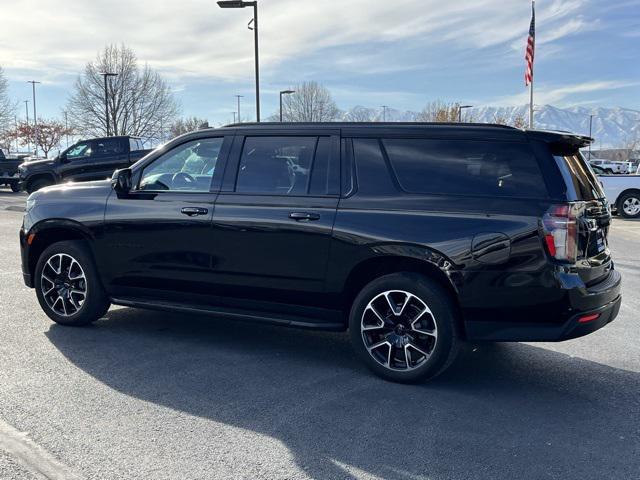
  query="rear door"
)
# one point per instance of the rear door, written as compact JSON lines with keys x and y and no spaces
{"x":275,"y":214}
{"x":107,"y":155}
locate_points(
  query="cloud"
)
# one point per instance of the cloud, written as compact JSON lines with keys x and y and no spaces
{"x":194,"y":38}
{"x":545,"y":95}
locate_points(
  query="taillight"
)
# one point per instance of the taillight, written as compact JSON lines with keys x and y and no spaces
{"x":560,"y":228}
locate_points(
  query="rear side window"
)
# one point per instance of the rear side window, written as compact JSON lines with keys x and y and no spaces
{"x":580,"y":179}
{"x":286,"y":166}
{"x":465,"y":167}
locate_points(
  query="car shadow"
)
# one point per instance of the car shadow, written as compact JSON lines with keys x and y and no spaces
{"x":502,"y":411}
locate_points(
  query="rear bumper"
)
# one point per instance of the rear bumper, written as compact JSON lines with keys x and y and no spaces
{"x":603,"y":300}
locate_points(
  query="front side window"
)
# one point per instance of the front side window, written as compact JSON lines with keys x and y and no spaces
{"x":465,"y":167}
{"x":81,"y":150}
{"x":277,"y":166}
{"x":187,"y":167}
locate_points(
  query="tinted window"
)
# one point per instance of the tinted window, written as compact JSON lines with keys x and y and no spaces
{"x":108,"y":147}
{"x":465,"y":167}
{"x":325,"y":174}
{"x":579,"y":177}
{"x":276,"y":165}
{"x":187,"y":167}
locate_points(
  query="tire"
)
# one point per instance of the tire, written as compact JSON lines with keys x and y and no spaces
{"x":431,"y":339}
{"x":67,"y":285}
{"x":629,"y":205}
{"x":15,"y":188}
{"x":38,"y":184}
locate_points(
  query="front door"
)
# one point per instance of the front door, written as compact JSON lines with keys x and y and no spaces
{"x":156,"y":240}
{"x":274,"y":218}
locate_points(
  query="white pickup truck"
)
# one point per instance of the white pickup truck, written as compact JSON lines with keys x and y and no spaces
{"x":623,"y":193}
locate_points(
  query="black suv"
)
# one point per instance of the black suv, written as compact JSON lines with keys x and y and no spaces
{"x":415,"y":237}
{"x":93,"y":159}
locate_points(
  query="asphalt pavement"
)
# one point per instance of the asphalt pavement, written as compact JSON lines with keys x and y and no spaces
{"x":148,"y":395}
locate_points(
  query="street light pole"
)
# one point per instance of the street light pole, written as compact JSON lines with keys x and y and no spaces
{"x":35,"y":117}
{"x":234,"y":117}
{"x":284,"y":92}
{"x":26,"y":112}
{"x":460,"y":108}
{"x":105,"y":75}
{"x":253,"y":25}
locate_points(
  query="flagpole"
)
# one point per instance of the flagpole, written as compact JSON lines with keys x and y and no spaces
{"x":533,"y":8}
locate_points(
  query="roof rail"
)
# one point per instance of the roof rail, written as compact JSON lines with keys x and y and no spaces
{"x":384,"y":124}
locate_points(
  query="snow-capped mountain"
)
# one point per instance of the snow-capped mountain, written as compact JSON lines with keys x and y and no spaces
{"x":612,"y":127}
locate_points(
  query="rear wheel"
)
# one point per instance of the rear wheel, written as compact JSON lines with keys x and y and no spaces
{"x":629,"y":205}
{"x":14,"y":187}
{"x":67,"y":285}
{"x":403,"y":326}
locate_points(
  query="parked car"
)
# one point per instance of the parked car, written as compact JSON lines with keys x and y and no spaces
{"x":94,"y":159}
{"x":610,"y":166}
{"x":623,"y":193}
{"x":9,"y":170}
{"x":415,"y":237}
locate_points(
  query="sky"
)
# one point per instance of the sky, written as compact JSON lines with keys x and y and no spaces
{"x":400,"y":53}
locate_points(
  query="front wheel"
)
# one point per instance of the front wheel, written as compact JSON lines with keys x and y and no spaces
{"x":629,"y":205}
{"x":403,"y":326}
{"x":15,"y":188}
{"x":67,"y":285}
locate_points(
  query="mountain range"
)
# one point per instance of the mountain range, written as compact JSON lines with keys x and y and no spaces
{"x":615,"y":127}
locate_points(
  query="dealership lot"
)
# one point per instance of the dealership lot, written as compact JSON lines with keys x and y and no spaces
{"x":155,"y":395}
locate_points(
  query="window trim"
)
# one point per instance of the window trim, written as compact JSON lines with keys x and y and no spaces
{"x":227,"y":140}
{"x":396,"y":180}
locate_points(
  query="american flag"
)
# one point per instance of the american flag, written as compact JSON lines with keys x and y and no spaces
{"x":531,"y":48}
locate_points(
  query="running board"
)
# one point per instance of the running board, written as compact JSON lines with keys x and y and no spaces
{"x":237,"y":314}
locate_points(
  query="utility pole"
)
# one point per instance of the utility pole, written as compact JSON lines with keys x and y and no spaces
{"x":105,"y":75}
{"x":384,"y":113}
{"x":234,"y":117}
{"x":66,"y":127}
{"x":590,"y":130}
{"x":35,"y":117}
{"x":239,"y":97}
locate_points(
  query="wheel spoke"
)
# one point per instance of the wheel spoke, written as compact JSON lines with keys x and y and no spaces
{"x":407,"y":357}
{"x":366,"y":328}
{"x":411,"y":345}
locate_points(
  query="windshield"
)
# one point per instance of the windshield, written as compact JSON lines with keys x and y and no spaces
{"x":582,"y":182}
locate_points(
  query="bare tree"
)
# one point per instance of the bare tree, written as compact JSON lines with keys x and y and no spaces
{"x":140,"y":101}
{"x":312,"y":102}
{"x":439,"y":111}
{"x":7,"y":107}
{"x":361,"y":114}
{"x":186,"y":125}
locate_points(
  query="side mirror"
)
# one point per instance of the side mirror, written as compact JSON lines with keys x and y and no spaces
{"x":121,"y":180}
{"x":63,"y":158}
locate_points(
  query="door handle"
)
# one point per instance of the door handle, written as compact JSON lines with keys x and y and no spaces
{"x":194,"y":211}
{"x":304,"y":216}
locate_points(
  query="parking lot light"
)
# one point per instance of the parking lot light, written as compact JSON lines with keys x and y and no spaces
{"x":253,"y":25}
